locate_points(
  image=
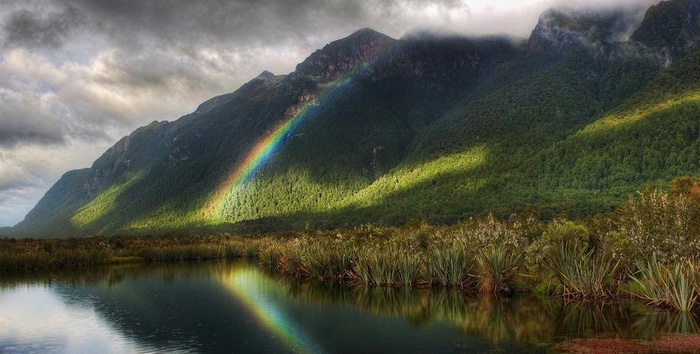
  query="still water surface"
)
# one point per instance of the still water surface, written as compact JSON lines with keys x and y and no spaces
{"x":238,"y":307}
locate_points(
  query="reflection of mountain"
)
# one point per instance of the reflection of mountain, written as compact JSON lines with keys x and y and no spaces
{"x":177,"y":307}
{"x":219,"y":307}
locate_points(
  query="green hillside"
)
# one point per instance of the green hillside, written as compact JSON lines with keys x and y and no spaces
{"x":372,"y":129}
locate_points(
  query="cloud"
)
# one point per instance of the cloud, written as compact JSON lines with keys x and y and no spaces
{"x":40,"y":29}
{"x":28,"y":172}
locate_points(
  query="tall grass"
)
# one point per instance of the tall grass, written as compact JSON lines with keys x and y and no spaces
{"x":581,"y":275}
{"x":449,"y":267}
{"x":378,"y":266}
{"x":659,"y":285}
{"x":480,"y":254}
{"x":324,"y":261}
{"x":28,"y":255}
{"x":496,"y":270}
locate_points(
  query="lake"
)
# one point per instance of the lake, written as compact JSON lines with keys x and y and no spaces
{"x":243,"y":308}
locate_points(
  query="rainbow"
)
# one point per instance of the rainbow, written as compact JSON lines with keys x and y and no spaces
{"x":247,"y":285}
{"x":254,"y":160}
{"x":266,"y":148}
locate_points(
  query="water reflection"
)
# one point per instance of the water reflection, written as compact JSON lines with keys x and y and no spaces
{"x":41,"y":327}
{"x":523,"y":320}
{"x":257,"y":293}
{"x":239,"y":307}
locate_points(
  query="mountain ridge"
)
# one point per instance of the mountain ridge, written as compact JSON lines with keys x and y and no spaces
{"x":374,"y":129}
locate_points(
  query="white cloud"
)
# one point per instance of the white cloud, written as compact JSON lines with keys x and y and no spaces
{"x":28,"y":171}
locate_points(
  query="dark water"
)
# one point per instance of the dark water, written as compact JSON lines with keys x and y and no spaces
{"x":240,"y":308}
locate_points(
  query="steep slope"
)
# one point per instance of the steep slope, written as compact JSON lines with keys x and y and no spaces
{"x":372,"y":129}
{"x":354,"y":105}
{"x":672,"y":28}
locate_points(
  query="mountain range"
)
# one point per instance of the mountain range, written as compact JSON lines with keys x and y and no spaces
{"x":371,"y":129}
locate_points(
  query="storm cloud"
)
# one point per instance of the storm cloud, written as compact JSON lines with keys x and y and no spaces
{"x":76,"y":75}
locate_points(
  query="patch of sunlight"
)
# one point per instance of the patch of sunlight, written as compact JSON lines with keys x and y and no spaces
{"x":620,"y":120}
{"x":292,"y":191}
{"x":167,"y":216}
{"x":101,"y":205}
{"x":405,"y":178}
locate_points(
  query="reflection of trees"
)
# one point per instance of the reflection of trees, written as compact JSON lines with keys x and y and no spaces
{"x":651,"y":325}
{"x":172,"y":306}
{"x":522,"y":320}
{"x":112,"y":275}
{"x":525,"y":320}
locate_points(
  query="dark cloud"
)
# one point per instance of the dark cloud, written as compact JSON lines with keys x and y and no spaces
{"x":243,"y":22}
{"x":21,"y":122}
{"x":42,"y":29}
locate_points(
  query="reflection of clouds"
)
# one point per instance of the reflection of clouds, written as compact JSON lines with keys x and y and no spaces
{"x":34,"y":318}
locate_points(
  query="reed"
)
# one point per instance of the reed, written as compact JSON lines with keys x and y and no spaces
{"x":487,"y":255}
{"x":375,"y":266}
{"x":269,"y":255}
{"x":322,"y":260}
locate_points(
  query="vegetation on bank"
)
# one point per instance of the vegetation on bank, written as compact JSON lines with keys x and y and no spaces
{"x":647,"y":249}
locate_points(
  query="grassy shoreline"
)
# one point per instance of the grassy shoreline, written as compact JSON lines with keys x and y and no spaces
{"x":647,"y":249}
{"x":418,"y":256}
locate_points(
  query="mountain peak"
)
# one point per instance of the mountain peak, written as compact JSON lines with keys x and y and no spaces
{"x":565,"y":28}
{"x":367,"y":33}
{"x":672,"y":26}
{"x":338,"y":57}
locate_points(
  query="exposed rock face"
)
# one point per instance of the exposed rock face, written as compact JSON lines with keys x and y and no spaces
{"x":671,"y":28}
{"x":565,"y":29}
{"x":336,"y":58}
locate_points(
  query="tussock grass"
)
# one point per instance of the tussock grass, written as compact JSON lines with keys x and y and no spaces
{"x":30,"y":255}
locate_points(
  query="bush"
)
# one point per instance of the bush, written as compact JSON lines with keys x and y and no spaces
{"x":662,"y":225}
{"x":557,"y":234}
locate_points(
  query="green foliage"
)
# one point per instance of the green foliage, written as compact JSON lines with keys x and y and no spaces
{"x":32,"y":255}
{"x":483,"y":254}
{"x":497,"y":269}
{"x":662,"y":224}
{"x":448,"y":262}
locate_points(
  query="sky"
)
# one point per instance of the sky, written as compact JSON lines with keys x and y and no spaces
{"x":77,"y":75}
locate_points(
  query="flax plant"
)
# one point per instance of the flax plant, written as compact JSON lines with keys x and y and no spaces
{"x":674,"y":287}
{"x":496,"y":269}
{"x":581,"y":275}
